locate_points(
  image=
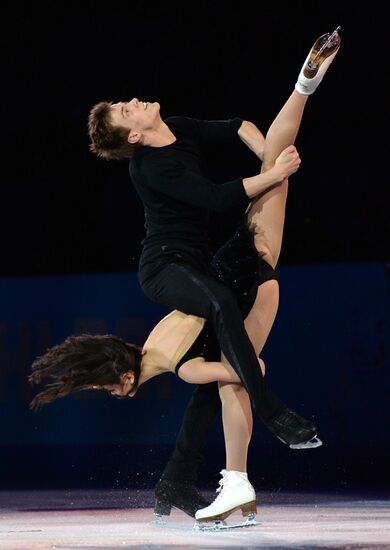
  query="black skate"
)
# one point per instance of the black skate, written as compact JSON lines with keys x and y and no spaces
{"x":294,"y":431}
{"x":179,"y":494}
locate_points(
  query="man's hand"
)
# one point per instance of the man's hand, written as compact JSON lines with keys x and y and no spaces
{"x":287,"y":162}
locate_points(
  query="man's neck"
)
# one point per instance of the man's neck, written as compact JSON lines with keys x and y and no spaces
{"x":159,"y":136}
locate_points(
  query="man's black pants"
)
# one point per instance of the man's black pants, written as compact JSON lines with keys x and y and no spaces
{"x":197,"y":421}
{"x":198,"y":292}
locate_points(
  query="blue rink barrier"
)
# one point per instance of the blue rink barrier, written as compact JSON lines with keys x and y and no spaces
{"x":327,"y":357}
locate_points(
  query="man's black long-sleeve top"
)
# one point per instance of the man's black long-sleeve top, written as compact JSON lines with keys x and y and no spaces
{"x":174,"y":188}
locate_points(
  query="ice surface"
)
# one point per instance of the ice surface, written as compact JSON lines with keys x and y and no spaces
{"x":77,"y":519}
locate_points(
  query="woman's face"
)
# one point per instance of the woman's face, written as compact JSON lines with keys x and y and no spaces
{"x":120,"y":390}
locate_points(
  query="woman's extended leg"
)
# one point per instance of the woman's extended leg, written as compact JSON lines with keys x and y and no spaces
{"x":267,"y":212}
{"x":266,"y":217}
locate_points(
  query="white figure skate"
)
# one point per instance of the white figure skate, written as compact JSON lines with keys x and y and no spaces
{"x":235,"y":492}
{"x":317,"y":62}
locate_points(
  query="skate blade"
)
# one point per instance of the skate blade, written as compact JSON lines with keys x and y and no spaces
{"x":313,"y":443}
{"x":158,"y":520}
{"x":221,"y":525}
{"x":320,"y":51}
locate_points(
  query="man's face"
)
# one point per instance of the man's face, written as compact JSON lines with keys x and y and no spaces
{"x":135,"y":115}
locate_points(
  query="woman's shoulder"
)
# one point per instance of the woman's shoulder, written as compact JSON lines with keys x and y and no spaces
{"x":176,"y":317}
{"x":174,"y":335}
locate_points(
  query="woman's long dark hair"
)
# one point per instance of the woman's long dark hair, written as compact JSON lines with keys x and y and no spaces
{"x":81,"y":361}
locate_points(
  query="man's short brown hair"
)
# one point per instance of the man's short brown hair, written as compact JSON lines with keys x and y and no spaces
{"x":107,"y":141}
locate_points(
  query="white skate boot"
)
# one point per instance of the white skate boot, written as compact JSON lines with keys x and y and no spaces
{"x":235,"y":492}
{"x":317,"y":62}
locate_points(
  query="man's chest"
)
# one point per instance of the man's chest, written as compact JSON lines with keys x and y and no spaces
{"x":189,"y":155}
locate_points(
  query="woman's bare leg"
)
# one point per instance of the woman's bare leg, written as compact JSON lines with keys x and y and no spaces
{"x":266,"y":217}
{"x":237,"y":424}
{"x":266,"y":213}
{"x":261,"y":317}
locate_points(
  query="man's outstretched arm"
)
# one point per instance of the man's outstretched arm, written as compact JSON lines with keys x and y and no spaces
{"x":176,"y":181}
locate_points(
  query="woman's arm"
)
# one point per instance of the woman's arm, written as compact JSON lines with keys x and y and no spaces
{"x":199,"y":371}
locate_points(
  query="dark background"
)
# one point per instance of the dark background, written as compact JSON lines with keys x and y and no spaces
{"x":64,"y":212}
